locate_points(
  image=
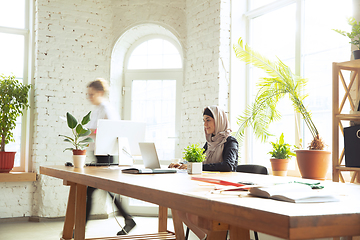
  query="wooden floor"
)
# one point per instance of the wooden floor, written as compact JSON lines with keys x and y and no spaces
{"x":95,"y":229}
{"x":154,"y":236}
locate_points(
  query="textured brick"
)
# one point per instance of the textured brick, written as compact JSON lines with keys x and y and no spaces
{"x":74,"y":43}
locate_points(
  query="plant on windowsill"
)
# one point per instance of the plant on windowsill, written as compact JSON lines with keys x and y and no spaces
{"x":354,"y":35}
{"x":280,"y":155}
{"x":13,"y":102}
{"x":279,"y":83}
{"x":80,"y":141}
{"x":194,"y":155}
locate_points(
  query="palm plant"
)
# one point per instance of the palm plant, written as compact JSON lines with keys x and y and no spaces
{"x":280,"y":82}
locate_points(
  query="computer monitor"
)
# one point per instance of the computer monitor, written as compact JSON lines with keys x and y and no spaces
{"x":108,"y":132}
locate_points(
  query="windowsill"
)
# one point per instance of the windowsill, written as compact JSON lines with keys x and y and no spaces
{"x":18,"y":177}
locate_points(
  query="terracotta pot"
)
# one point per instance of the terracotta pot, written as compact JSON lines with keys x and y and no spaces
{"x":279,"y":166}
{"x":313,"y":164}
{"x":79,"y":157}
{"x":6,"y":161}
{"x":79,"y":152}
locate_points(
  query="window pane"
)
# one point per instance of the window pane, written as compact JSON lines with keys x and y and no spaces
{"x":12,"y":13}
{"x":12,"y":54}
{"x":281,"y":44}
{"x":273,"y":34}
{"x":155,"y":54}
{"x":153,"y":101}
{"x":322,"y":46}
{"x":259,"y":3}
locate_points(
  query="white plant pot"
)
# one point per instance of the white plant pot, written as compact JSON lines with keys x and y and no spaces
{"x":79,"y":161}
{"x":194,"y":167}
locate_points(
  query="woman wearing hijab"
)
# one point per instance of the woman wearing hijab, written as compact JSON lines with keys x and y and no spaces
{"x":221,"y":149}
{"x":221,"y":154}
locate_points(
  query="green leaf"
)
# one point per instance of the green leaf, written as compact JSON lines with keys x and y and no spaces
{"x":194,"y":153}
{"x":71,"y":120}
{"x":80,"y":129}
{"x":279,"y":83}
{"x":87,"y":140}
{"x":13,"y":101}
{"x":281,"y":150}
{"x":86,"y":133}
{"x":86,"y":119}
{"x":70,"y":149}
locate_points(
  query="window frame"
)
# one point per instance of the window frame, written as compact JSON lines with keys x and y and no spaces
{"x":27,"y":33}
{"x":154,"y":74}
{"x":247,"y":16}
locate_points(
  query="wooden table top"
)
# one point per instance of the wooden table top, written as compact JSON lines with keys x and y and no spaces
{"x":277,"y":218}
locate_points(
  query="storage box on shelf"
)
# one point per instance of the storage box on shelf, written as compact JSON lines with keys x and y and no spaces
{"x":353,"y":83}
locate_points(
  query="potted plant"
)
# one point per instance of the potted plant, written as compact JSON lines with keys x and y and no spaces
{"x":194,"y":156}
{"x":13,"y":101}
{"x":280,"y":155}
{"x":354,"y":35}
{"x":80,"y":141}
{"x":279,"y":83}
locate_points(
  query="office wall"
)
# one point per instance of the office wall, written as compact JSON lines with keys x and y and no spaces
{"x":206,"y":65}
{"x":73,"y":46}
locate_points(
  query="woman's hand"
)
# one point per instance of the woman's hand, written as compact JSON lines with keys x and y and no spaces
{"x":174,"y":165}
{"x":177,"y":165}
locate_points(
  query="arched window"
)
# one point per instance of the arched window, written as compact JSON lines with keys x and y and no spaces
{"x":155,"y":54}
{"x":153,"y":76}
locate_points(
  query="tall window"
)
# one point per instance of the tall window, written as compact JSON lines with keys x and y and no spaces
{"x":153,"y":80}
{"x":14,"y":49}
{"x":154,"y":74}
{"x":299,"y":32}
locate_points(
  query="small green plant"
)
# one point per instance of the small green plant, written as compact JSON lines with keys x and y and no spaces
{"x":354,"y":35}
{"x":79,"y":132}
{"x":13,"y":101}
{"x":281,"y":150}
{"x":194,"y":153}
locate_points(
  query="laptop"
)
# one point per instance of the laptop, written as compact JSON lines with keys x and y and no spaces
{"x":150,"y":160}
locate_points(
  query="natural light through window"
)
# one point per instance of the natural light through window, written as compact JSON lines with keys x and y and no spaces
{"x":155,"y":54}
{"x":153,"y":101}
{"x":273,"y":33}
{"x":14,"y":37}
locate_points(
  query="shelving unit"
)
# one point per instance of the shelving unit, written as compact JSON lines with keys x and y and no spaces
{"x":351,"y":90}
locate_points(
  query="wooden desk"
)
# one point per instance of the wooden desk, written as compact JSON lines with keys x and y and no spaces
{"x":281,"y":219}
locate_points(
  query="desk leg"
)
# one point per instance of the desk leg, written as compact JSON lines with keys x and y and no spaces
{"x":80,"y":212}
{"x":216,"y":235}
{"x":70,"y":213}
{"x":178,"y":225}
{"x":237,"y":233}
{"x":163,"y":216}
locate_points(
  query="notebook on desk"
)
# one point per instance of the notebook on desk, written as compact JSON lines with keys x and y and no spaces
{"x":150,"y":160}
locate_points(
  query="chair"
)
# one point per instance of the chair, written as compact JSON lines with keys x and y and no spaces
{"x":245,"y":168}
{"x":252,"y":168}
{"x":256,"y":169}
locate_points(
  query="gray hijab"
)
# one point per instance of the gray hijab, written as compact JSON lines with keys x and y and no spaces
{"x":215,"y":141}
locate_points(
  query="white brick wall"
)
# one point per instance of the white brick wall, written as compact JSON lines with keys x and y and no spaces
{"x":74,"y":40}
{"x":72,"y":48}
{"x":205,"y":77}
